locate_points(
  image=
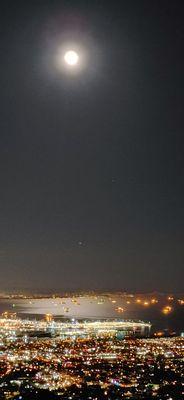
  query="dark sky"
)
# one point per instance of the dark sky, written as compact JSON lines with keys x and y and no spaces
{"x":91,"y":163}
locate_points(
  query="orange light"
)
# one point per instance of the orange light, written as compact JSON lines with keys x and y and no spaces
{"x":119,"y":309}
{"x":48,"y":317}
{"x":167,"y":310}
{"x":159,"y":334}
{"x":154,"y":301}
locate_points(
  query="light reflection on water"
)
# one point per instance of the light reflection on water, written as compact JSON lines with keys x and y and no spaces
{"x":79,"y":307}
{"x":94,"y":307}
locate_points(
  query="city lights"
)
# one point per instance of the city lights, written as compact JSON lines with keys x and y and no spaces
{"x":89,"y":358}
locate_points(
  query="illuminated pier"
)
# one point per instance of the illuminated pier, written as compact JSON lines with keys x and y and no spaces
{"x":73,"y":328}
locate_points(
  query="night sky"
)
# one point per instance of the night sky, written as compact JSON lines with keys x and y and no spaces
{"x":91,"y":162}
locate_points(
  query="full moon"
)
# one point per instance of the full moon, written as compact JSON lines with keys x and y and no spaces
{"x":71,"y":58}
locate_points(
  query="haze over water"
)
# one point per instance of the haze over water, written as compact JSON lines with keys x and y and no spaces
{"x":95,"y":307}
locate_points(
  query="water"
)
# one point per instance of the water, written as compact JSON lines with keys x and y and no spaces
{"x":96,"y":307}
